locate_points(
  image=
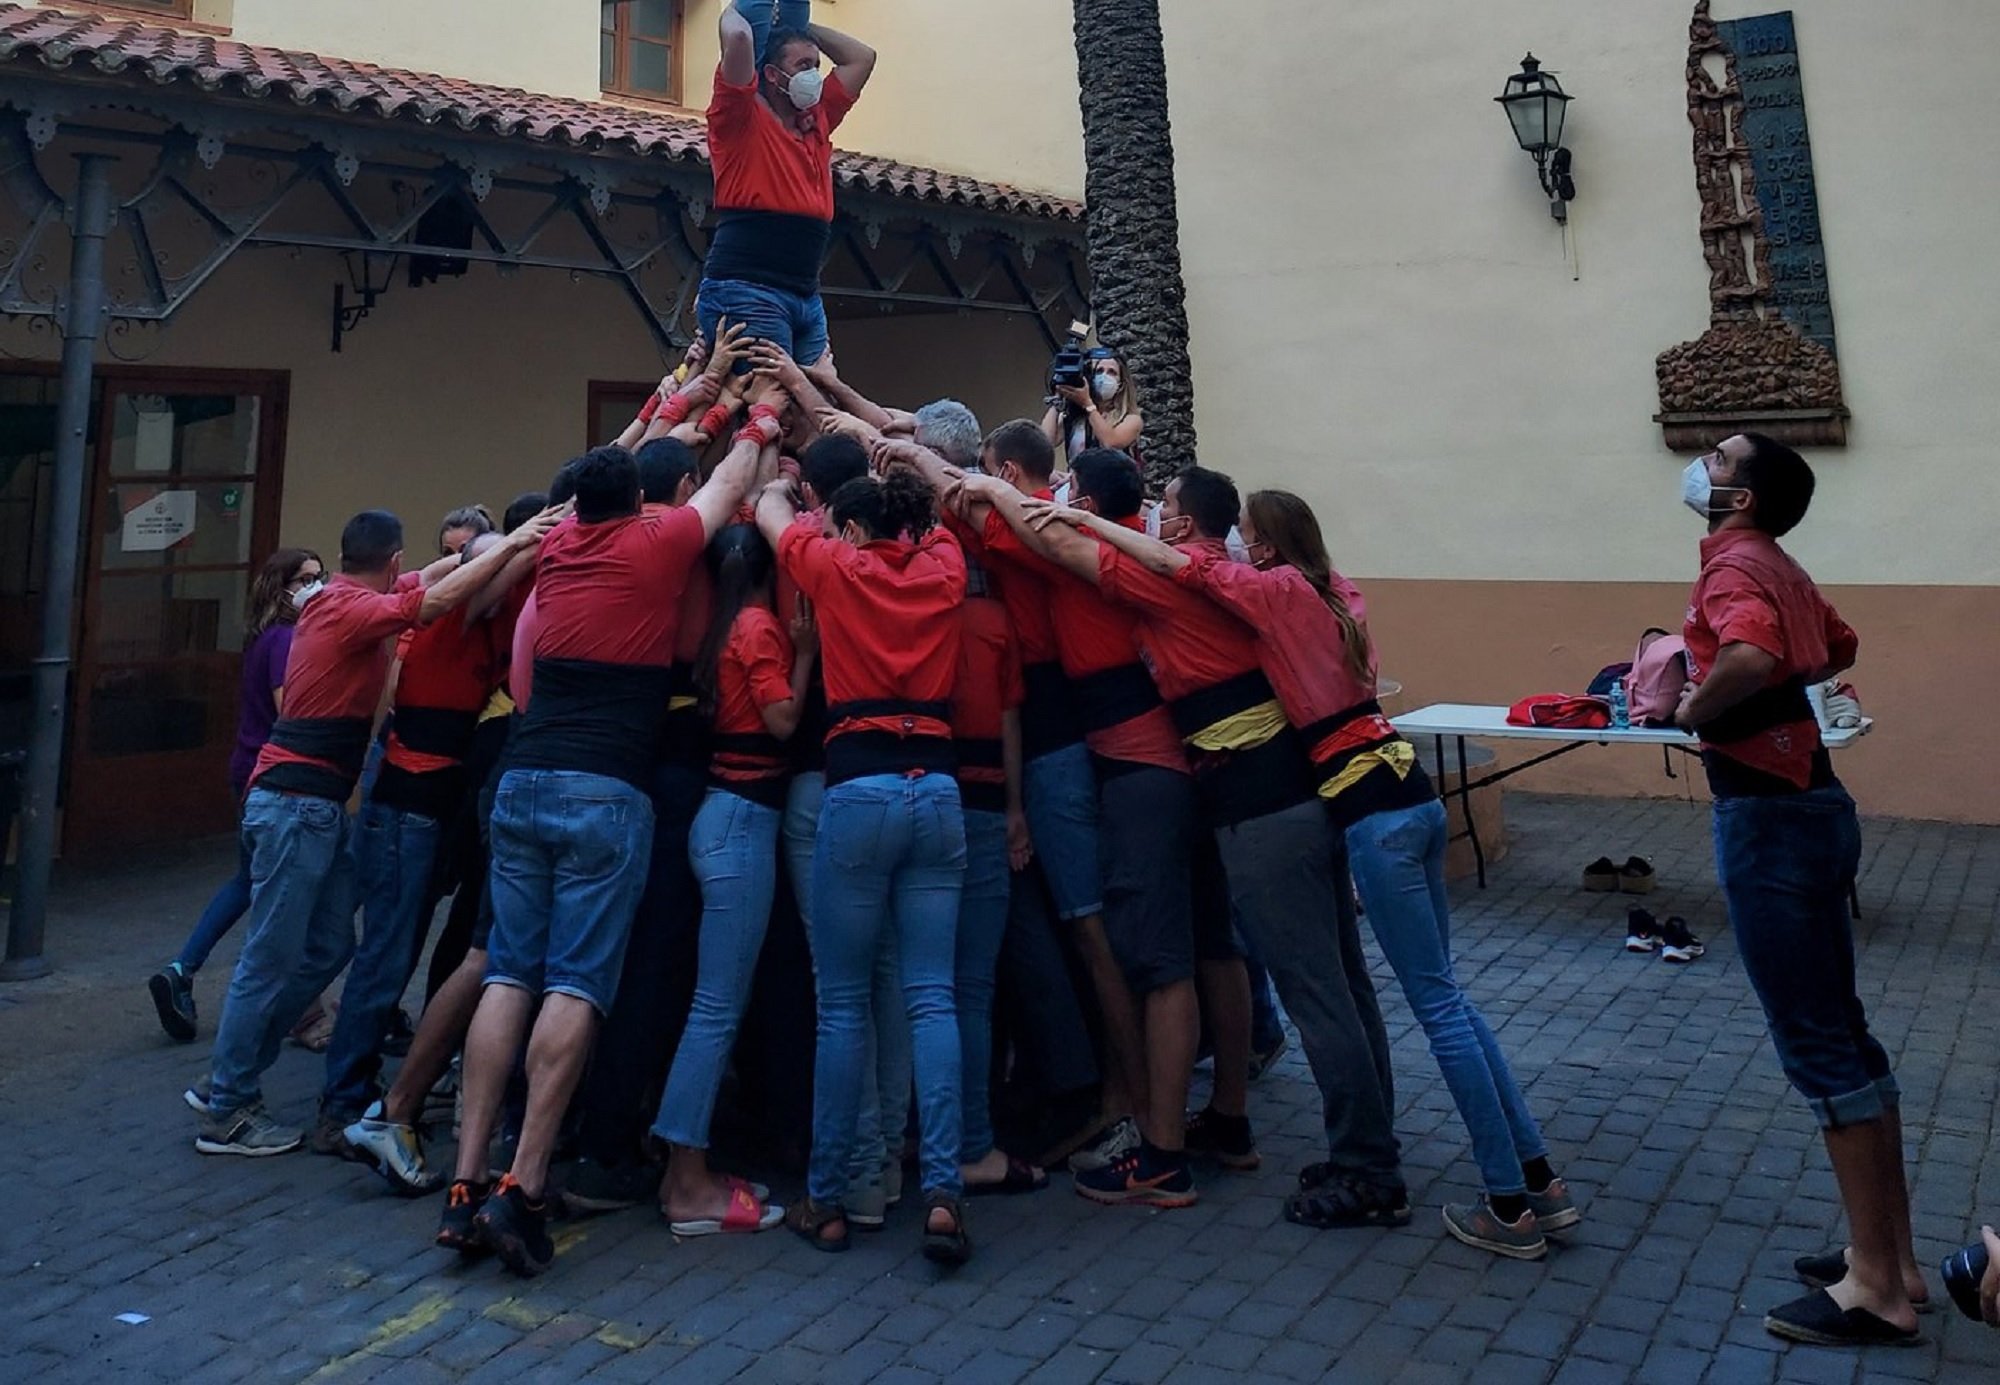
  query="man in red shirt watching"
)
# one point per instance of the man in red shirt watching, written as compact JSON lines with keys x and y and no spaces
{"x":572,"y":829}
{"x":1787,"y":845}
{"x":770,"y":140}
{"x":295,"y":823}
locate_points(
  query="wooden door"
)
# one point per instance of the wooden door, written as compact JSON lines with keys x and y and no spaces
{"x":184,"y":507}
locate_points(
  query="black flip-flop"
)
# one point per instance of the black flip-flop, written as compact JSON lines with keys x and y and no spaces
{"x":1817,"y":1320}
{"x":1022,"y":1177}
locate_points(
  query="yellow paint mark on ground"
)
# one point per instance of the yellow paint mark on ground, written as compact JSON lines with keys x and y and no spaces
{"x":619,"y":1337}
{"x":522,"y":1317}
{"x":569,"y":1237}
{"x":424,"y":1314}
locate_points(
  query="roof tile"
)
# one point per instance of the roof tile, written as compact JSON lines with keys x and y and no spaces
{"x":118,"y":44}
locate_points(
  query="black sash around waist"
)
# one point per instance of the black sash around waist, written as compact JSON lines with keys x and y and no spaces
{"x":1114,"y":696}
{"x":982,"y":773}
{"x":434,"y":793}
{"x":341,"y":742}
{"x":1238,"y":785}
{"x":1781,"y":705}
{"x":442,"y":731}
{"x":592,"y":717}
{"x":1204,"y":707}
{"x":779,"y":250}
{"x":1048,"y":712}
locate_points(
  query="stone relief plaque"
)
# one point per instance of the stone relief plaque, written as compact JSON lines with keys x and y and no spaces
{"x":1767,"y":362}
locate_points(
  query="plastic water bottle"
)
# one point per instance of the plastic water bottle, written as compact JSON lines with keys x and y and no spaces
{"x":1621,"y":719}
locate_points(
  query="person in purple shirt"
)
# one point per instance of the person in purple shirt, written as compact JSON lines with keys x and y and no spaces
{"x":288,"y":579}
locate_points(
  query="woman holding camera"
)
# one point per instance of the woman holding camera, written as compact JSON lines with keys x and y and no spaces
{"x":1102,"y":412}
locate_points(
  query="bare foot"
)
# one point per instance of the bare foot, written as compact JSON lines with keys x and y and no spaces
{"x":706,"y":1202}
{"x":991,"y":1169}
{"x":1913,"y":1278}
{"x":1895,"y":1309}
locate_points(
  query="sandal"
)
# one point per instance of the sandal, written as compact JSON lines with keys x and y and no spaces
{"x":951,"y":1247}
{"x":747,"y":1212}
{"x":809,"y":1218}
{"x":1337,"y":1202}
{"x":1022,"y":1177}
{"x":1825,"y":1271}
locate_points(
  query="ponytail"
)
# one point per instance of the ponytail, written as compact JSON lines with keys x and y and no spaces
{"x":740,"y":559}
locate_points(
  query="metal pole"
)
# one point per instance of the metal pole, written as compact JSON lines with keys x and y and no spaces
{"x":90,"y":212}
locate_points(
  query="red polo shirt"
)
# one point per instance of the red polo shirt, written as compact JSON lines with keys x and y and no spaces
{"x":888,"y":617}
{"x":989,"y":686}
{"x":1299,"y":643}
{"x":1190,"y":643}
{"x":761,"y":164}
{"x":338,"y":667}
{"x":1753,"y":592}
{"x":754,"y":671}
{"x":449,"y":666}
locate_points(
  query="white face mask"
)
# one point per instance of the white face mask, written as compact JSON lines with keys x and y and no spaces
{"x":307,"y":593}
{"x":1698,"y":492}
{"x":1104,"y":386}
{"x":806,"y":88}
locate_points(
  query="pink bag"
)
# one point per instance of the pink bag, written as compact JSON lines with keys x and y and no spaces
{"x":1659,"y":673}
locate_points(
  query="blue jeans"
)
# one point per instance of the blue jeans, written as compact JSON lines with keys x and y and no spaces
{"x":394,"y":851}
{"x":1786,"y":865}
{"x":301,"y":934}
{"x":1397,"y":857}
{"x":732,"y":848}
{"x":570,"y":852}
{"x":982,"y":923}
{"x":231,"y":902}
{"x":797,"y":324}
{"x":890,"y":859}
{"x":801,"y":831}
{"x":1060,"y":793}
{"x":791,"y":14}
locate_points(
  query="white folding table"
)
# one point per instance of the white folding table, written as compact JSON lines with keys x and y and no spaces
{"x":1456,"y":722}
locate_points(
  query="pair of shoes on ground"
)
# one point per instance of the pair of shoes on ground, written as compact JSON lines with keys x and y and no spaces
{"x":1605,"y":876}
{"x":499,"y":1219}
{"x":1672,"y":940}
{"x":1818,"y":1320}
{"x":1120,"y":1168}
{"x":1549,"y":1211}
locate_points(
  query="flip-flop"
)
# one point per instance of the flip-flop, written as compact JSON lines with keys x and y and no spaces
{"x":1022,"y":1177}
{"x":747,"y":1213}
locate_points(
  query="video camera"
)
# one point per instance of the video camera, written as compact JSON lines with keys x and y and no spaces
{"x":1066,"y":371}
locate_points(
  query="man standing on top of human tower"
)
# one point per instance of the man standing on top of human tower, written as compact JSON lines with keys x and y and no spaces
{"x":770,"y":139}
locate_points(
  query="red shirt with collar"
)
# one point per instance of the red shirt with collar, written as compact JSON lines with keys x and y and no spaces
{"x":1190,"y":643}
{"x":1094,"y":634}
{"x":761,"y":164}
{"x":1022,"y":586}
{"x":1299,"y":642}
{"x":889,"y":625}
{"x":1753,"y":592}
{"x":340,"y":662}
{"x":989,"y":685}
{"x":449,"y":666}
{"x":754,"y":671}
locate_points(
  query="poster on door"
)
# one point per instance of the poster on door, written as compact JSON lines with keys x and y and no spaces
{"x":158,"y":524}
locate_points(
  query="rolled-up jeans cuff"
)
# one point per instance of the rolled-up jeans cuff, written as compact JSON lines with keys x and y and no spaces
{"x":1858,"y":1107}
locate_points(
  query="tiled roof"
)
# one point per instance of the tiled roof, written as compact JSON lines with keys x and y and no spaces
{"x":118,"y":45}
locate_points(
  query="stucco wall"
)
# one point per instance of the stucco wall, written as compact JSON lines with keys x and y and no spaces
{"x":1385,"y":319}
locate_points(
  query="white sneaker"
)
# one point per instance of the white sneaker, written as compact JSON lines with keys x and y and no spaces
{"x":395,"y":1151}
{"x":1113,"y":1145}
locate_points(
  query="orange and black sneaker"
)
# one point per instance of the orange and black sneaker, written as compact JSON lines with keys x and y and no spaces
{"x":1147,"y":1175}
{"x":516,"y":1228}
{"x":461,"y":1205}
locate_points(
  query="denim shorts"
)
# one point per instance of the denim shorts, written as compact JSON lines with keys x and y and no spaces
{"x":1060,"y":792}
{"x":570,"y":854}
{"x":1786,"y":865}
{"x":797,"y":324}
{"x":1148,"y":821}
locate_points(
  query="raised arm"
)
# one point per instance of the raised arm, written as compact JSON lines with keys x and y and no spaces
{"x":853,"y":61}
{"x":777,"y":511}
{"x":845,"y":397}
{"x":722,"y":494}
{"x":459,"y":586}
{"x":1068,"y":548}
{"x":739,"y":48}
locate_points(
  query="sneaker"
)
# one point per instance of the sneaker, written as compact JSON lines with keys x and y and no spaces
{"x":249,"y":1132}
{"x":461,"y":1205}
{"x":173,"y":997}
{"x":1153,"y":1178}
{"x":1636,"y":876}
{"x":592,"y":1187}
{"x":1263,"y":1060}
{"x":196,"y":1095}
{"x":1554,"y":1208}
{"x":1642,"y":931}
{"x":1113,"y":1145}
{"x":1225,"y":1139}
{"x":1679,"y":945}
{"x":515,"y":1229}
{"x":1478,"y":1225}
{"x":1601,"y":876}
{"x":867,"y":1207}
{"x":394,"y":1150}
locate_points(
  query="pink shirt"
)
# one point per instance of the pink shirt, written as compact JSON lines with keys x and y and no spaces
{"x":1300,"y":644}
{"x":521,"y":659}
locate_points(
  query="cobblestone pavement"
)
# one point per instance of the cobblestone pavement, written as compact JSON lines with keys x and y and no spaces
{"x":1701,"y":1177}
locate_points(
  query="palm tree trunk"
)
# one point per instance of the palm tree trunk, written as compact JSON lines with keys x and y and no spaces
{"x":1136,"y":292}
